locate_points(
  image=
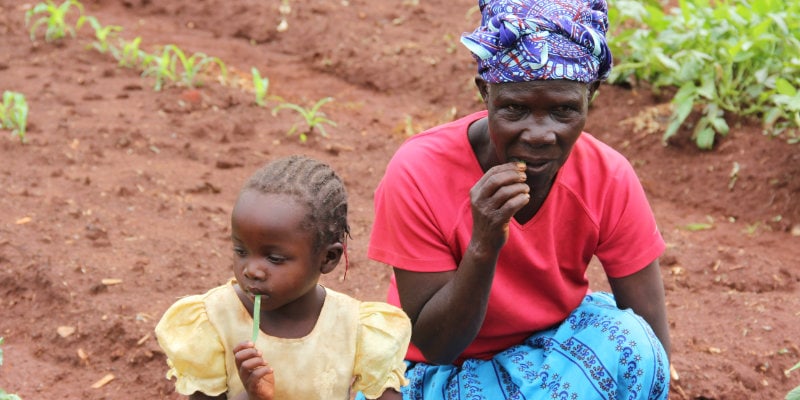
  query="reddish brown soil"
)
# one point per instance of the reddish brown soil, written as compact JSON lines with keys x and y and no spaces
{"x":119,"y":181}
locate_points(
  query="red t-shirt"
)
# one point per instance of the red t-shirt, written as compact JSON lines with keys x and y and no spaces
{"x":423,"y":222}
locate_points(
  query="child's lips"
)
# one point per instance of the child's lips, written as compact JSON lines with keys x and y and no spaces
{"x":252,"y":293}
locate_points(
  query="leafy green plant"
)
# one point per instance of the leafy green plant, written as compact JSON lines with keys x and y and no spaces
{"x":724,"y":57}
{"x":14,"y":113}
{"x":103,"y":36}
{"x":193,"y":65}
{"x":3,"y":394}
{"x":54,"y":18}
{"x":794,"y":394}
{"x":312,"y":117}
{"x":260,"y":86}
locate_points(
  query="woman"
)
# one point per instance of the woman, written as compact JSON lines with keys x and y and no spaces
{"x":490,"y":222}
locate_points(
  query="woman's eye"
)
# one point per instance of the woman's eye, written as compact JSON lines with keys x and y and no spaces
{"x":564,"y":112}
{"x":514,"y":111}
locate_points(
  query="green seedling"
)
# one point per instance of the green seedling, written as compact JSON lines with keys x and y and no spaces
{"x":3,"y":394}
{"x":313,"y":118}
{"x":193,"y":65}
{"x":256,"y":317}
{"x":260,"y":86}
{"x":159,"y":66}
{"x":55,"y":19}
{"x":794,"y":394}
{"x":131,"y":56}
{"x":14,"y":113}
{"x":103,"y":36}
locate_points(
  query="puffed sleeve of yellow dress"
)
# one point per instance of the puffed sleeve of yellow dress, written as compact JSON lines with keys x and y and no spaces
{"x":383,"y":339}
{"x":195,"y":353}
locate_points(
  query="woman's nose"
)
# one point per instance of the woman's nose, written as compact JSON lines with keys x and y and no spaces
{"x":538,"y":133}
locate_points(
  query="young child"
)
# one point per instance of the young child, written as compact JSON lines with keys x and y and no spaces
{"x":289,"y":226}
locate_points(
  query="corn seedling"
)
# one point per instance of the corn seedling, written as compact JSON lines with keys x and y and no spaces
{"x":159,"y":66}
{"x":260,"y":86}
{"x":3,"y":394}
{"x":103,"y":36}
{"x":193,"y":65}
{"x":131,"y":56}
{"x":313,"y":118}
{"x":14,"y":113}
{"x":55,"y":19}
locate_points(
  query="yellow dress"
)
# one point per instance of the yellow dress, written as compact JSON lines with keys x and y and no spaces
{"x":358,"y":345}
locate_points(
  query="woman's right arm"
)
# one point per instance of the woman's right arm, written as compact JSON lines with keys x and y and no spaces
{"x":447,"y":309}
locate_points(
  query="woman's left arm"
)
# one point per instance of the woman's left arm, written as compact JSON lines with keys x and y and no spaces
{"x":643,"y":292}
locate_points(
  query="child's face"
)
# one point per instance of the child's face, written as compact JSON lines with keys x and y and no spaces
{"x":273,"y":255}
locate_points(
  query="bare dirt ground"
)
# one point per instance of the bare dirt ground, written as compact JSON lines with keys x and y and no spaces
{"x":119,"y":202}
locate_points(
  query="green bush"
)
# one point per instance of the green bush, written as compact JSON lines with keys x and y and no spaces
{"x":740,"y":57}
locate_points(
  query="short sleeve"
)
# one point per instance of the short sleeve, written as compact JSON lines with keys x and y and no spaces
{"x":630,"y":239}
{"x":383,"y":338}
{"x":195,"y":353}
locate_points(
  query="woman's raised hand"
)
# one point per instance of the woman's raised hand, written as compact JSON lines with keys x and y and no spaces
{"x":495,"y":198}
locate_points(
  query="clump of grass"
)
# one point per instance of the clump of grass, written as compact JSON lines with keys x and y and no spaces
{"x":312,"y":117}
{"x":54,"y":19}
{"x":14,"y":114}
{"x":736,"y":57}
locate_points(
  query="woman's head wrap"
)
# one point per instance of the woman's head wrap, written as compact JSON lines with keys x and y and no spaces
{"x":529,"y":40}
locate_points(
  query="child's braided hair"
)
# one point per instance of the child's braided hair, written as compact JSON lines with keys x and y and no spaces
{"x":316,"y":185}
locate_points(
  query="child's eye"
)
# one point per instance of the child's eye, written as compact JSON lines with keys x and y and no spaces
{"x":276,"y":259}
{"x":239,"y":252}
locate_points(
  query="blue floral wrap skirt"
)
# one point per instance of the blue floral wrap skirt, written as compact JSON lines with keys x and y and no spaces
{"x":598,"y":352}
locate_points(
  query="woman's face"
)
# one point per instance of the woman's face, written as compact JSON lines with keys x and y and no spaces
{"x":273,"y":253}
{"x":536,"y":122}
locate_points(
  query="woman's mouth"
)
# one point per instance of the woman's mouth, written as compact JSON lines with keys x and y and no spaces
{"x":533,"y":166}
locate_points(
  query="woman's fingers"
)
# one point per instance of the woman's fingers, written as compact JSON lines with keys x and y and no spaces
{"x":500,"y":193}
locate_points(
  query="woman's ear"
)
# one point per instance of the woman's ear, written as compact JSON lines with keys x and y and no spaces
{"x":593,"y":89}
{"x":483,"y":88}
{"x":332,"y":254}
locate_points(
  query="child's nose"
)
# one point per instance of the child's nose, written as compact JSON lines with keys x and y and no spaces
{"x":255,"y":269}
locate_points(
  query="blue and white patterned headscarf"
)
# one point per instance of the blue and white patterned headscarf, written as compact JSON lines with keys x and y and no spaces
{"x":529,"y":40}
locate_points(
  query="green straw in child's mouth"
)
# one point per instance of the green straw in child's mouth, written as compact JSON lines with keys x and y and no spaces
{"x":256,"y":317}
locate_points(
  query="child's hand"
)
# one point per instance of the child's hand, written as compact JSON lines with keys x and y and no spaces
{"x":255,"y":373}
